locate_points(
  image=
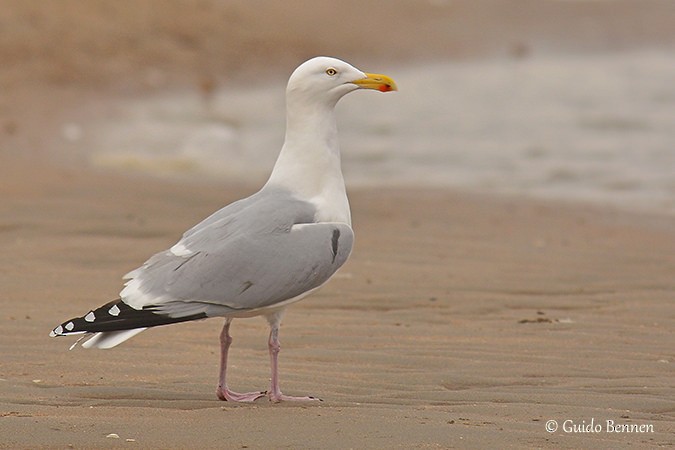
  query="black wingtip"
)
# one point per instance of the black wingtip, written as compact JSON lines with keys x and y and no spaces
{"x":118,"y":316}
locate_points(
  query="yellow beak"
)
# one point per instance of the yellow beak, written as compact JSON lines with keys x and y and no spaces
{"x":376,"y":81}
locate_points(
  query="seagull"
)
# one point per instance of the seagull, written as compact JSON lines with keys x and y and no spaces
{"x":258,"y":255}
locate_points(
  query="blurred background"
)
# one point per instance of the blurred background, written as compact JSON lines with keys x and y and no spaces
{"x":565,"y":99}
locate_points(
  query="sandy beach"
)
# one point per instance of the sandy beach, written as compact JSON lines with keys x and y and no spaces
{"x":462,"y":320}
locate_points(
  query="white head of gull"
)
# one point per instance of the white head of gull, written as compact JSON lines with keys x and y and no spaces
{"x":259,"y":254}
{"x":309,"y":162}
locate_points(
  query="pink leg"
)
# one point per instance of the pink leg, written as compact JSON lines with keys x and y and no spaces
{"x":274,"y":393}
{"x":223,"y":392}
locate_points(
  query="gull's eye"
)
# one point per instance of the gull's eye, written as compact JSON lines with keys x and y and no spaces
{"x":331,"y":72}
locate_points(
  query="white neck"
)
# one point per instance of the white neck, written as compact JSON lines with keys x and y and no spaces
{"x":309,"y":162}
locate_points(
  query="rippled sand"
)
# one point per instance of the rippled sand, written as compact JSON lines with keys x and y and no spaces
{"x":459,"y":321}
{"x":462,"y":319}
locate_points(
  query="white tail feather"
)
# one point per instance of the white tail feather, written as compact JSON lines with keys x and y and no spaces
{"x":110,"y":339}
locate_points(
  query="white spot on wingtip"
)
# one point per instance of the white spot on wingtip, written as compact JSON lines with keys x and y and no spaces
{"x":114,"y":311}
{"x":70,"y":326}
{"x":90,"y":317}
{"x":57,"y":331}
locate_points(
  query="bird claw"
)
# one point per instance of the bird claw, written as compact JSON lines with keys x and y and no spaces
{"x":231,"y":396}
{"x":279,"y":397}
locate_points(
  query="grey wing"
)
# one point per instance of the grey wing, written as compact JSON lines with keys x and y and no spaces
{"x":248,"y":272}
{"x":258,"y":272}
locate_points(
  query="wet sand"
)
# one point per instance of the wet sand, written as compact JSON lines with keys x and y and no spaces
{"x":461,"y":320}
